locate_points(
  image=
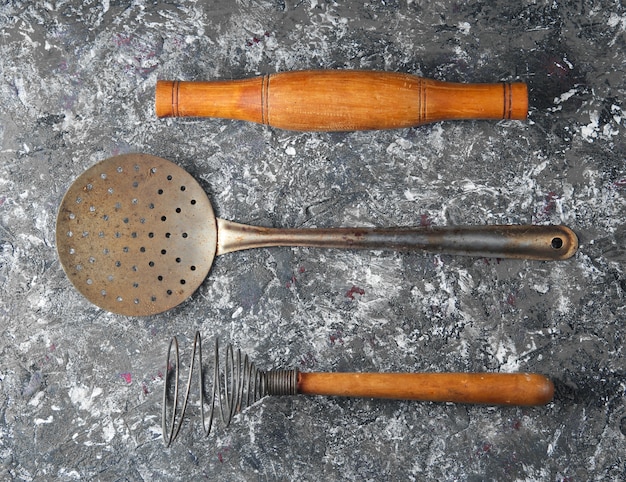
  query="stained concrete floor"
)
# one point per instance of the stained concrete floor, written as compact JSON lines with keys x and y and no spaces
{"x":80,"y":388}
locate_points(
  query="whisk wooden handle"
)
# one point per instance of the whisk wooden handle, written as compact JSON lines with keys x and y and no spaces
{"x":483,"y":388}
{"x":341,"y":100}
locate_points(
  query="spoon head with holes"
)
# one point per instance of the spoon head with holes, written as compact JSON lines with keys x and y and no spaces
{"x":136,"y":234}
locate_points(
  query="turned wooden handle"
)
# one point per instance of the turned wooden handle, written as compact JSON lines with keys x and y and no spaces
{"x":483,"y":388}
{"x":341,"y":100}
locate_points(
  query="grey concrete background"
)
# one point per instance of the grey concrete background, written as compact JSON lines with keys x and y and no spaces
{"x":80,"y":388}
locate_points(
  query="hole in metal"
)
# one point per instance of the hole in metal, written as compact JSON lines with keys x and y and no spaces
{"x":557,"y":243}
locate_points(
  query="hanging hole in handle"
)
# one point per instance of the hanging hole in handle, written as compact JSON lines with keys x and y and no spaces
{"x":557,"y":243}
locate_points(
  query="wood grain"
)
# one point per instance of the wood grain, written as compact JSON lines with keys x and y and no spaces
{"x":483,"y":388}
{"x":341,"y":100}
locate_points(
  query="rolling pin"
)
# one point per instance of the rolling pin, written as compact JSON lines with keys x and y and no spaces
{"x":341,"y":100}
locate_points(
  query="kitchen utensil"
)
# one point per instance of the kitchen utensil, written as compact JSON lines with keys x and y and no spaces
{"x":341,"y":100}
{"x":237,"y":383}
{"x":136,"y":235}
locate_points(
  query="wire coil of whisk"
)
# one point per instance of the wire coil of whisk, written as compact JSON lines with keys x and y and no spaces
{"x":236,"y":384}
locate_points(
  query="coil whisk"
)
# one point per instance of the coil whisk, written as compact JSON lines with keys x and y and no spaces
{"x":236,"y":384}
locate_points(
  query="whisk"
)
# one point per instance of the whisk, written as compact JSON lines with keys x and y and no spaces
{"x":237,"y":384}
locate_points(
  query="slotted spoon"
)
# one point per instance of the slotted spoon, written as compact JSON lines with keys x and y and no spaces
{"x":136,"y":235}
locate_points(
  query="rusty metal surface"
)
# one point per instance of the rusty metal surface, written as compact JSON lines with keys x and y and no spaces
{"x":546,"y":243}
{"x":136,"y":234}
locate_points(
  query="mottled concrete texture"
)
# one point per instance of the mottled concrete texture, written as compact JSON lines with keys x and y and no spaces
{"x":80,"y":388}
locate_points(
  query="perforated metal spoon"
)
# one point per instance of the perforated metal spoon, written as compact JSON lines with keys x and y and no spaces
{"x":136,"y":235}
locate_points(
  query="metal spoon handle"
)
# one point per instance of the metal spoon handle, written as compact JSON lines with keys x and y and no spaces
{"x":500,"y":241}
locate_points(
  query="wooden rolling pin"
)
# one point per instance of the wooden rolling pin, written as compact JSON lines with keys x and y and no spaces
{"x":341,"y":100}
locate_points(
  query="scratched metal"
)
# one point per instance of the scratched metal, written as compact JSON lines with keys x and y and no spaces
{"x":80,"y":388}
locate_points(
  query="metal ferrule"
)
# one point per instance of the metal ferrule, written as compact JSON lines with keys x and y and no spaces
{"x":281,"y":382}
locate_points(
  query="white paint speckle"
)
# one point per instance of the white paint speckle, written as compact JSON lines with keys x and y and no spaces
{"x":555,"y":439}
{"x":108,"y":432}
{"x":83,"y":396}
{"x":566,"y":95}
{"x":464,"y":28}
{"x":36,"y":400}
{"x":42,"y":421}
{"x":615,"y":20}
{"x":590,"y":131}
